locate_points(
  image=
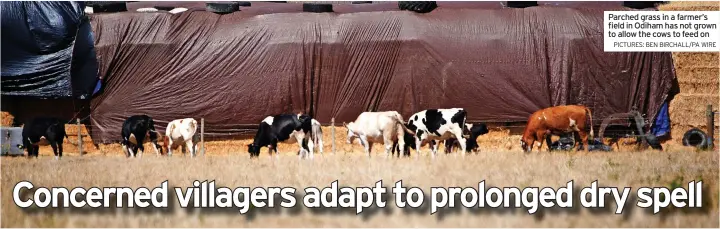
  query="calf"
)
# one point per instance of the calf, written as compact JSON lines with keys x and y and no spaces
{"x":434,"y":125}
{"x":556,"y":120}
{"x":43,"y":131}
{"x":317,"y":135}
{"x":287,"y":128}
{"x":181,"y":132}
{"x":475,"y":131}
{"x":137,"y":130}
{"x":378,"y":127}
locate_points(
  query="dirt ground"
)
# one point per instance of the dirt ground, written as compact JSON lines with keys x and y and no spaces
{"x":496,"y":168}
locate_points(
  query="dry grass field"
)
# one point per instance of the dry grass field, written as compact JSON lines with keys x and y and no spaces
{"x":500,"y":163}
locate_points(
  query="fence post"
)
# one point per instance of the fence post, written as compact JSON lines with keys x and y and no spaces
{"x":79,"y":135}
{"x":710,"y":126}
{"x":332,"y":131}
{"x":202,"y":136}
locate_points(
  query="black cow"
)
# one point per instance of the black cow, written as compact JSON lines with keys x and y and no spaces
{"x":475,"y":131}
{"x":136,"y":130}
{"x":287,"y":128}
{"x":43,"y":131}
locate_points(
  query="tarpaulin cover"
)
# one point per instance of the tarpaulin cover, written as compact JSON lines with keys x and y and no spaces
{"x":47,"y":50}
{"x":500,"y":64}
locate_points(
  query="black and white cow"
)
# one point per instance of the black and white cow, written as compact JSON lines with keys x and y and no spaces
{"x":43,"y":131}
{"x":471,"y":145}
{"x":287,"y":128}
{"x":136,"y":130}
{"x":434,"y":125}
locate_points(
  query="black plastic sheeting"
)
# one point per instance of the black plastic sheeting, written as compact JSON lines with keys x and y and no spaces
{"x":47,"y":50}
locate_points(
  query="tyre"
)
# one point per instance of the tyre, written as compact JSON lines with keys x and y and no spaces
{"x":107,"y":7}
{"x":521,"y":4}
{"x":418,"y":7}
{"x":640,"y":4}
{"x":222,"y":7}
{"x":695,"y":138}
{"x":317,"y":8}
{"x":245,"y":4}
{"x":362,"y":2}
{"x":164,"y":8}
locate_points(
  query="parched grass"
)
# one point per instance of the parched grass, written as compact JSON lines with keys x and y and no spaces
{"x":234,"y":169}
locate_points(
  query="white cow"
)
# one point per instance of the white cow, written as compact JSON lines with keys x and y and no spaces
{"x":181,"y":132}
{"x":377,"y":127}
{"x":435,"y":125}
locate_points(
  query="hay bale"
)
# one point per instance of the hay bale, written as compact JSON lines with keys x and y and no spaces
{"x":690,"y":109}
{"x":690,"y":87}
{"x":696,"y":59}
{"x":689,"y":6}
{"x":6,"y":119}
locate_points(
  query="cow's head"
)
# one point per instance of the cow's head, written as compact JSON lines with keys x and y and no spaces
{"x":350,"y":134}
{"x":526,"y":143}
{"x":253,"y":150}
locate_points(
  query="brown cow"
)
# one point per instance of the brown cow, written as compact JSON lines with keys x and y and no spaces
{"x":556,"y":120}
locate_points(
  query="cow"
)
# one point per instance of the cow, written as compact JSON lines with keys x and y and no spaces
{"x":286,"y":128}
{"x":181,"y":132}
{"x":136,"y":130}
{"x":556,"y":121}
{"x":317,"y":135}
{"x":471,"y":145}
{"x":434,"y":125}
{"x":43,"y":131}
{"x":377,"y":127}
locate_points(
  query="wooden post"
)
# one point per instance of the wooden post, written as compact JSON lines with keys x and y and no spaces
{"x":332,"y":132}
{"x":79,"y":136}
{"x":202,"y":136}
{"x":710,"y":126}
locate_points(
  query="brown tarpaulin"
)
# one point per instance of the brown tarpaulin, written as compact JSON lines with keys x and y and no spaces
{"x":500,"y":64}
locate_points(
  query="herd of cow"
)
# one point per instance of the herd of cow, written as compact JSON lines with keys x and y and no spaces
{"x":427,"y":127}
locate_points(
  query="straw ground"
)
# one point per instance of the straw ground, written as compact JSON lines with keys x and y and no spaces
{"x":500,"y":163}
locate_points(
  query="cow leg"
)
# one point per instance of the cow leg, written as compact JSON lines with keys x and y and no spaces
{"x":364,"y":142}
{"x":462,"y":141}
{"x":299,"y":138}
{"x":60,"y":148}
{"x":191,"y":147}
{"x":418,"y":146}
{"x":125,"y":150}
{"x":141,"y":149}
{"x":448,"y":146}
{"x":433,"y":147}
{"x":131,"y":151}
{"x":387,"y":141}
{"x":548,"y":141}
{"x":319,"y":143}
{"x":584,"y":138}
{"x":36,"y":151}
{"x":311,"y":147}
{"x":540,"y":135}
{"x":184,"y":148}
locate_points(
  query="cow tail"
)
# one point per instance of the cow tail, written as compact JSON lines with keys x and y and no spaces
{"x":399,"y":119}
{"x":589,"y":114}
